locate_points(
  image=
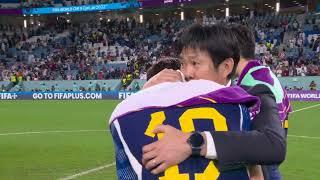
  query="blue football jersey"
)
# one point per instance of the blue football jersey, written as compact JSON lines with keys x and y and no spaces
{"x":134,"y":130}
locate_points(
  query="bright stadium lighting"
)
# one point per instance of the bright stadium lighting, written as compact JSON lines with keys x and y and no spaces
{"x":25,"y":23}
{"x":141,"y":18}
{"x":277,"y":7}
{"x":31,"y":15}
{"x":182,"y":15}
{"x":227,"y":12}
{"x":67,"y":13}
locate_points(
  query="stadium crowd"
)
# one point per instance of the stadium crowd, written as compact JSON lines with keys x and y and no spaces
{"x":85,"y":50}
{"x":122,"y":49}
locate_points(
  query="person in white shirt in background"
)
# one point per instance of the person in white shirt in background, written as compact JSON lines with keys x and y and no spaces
{"x":304,"y":70}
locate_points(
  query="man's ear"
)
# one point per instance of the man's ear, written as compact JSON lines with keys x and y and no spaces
{"x":227,"y":65}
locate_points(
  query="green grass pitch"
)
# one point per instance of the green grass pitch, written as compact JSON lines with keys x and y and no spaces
{"x":54,"y":155}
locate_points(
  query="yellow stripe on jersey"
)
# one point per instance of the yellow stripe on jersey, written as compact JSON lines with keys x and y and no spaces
{"x":208,"y":99}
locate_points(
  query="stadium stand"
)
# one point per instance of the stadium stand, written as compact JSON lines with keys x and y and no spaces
{"x":65,"y":65}
{"x":115,"y":49}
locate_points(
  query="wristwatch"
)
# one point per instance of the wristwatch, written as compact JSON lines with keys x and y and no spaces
{"x":196,"y":141}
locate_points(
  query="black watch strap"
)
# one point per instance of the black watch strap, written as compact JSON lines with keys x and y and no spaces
{"x":196,"y":151}
{"x":196,"y":141}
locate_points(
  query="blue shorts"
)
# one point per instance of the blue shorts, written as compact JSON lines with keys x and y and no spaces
{"x":273,"y":172}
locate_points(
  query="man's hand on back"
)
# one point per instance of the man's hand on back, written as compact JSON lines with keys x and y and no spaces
{"x":166,"y":75}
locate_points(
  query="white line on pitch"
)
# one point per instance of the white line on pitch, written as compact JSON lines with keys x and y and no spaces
{"x":46,"y":132}
{"x":305,"y":137}
{"x":88,"y":171}
{"x":309,"y":107}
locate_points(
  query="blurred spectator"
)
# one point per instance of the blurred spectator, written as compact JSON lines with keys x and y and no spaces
{"x":43,"y":87}
{"x":97,"y":88}
{"x":90,"y":86}
{"x":297,"y":88}
{"x":104,"y":87}
{"x":75,"y":87}
{"x":124,"y":83}
{"x":57,"y":88}
{"x":313,"y":86}
{"x":3,"y":88}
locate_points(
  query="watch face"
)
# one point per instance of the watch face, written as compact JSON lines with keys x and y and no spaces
{"x":196,"y":140}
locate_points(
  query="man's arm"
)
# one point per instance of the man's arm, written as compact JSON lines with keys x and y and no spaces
{"x":265,"y":144}
{"x":256,"y":172}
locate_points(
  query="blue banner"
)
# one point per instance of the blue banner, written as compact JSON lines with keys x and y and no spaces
{"x":111,"y":95}
{"x":84,"y":8}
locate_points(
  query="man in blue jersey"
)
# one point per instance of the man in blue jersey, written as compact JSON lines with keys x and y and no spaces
{"x":265,"y":144}
{"x":185,"y":106}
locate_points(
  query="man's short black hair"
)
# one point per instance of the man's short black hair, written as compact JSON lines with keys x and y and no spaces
{"x":161,"y":64}
{"x":217,"y":40}
{"x":246,"y":40}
